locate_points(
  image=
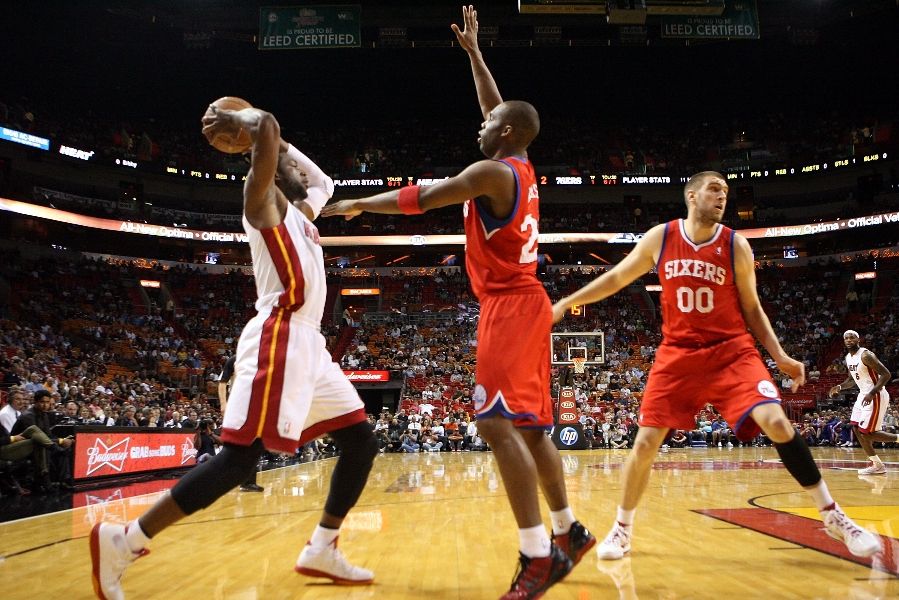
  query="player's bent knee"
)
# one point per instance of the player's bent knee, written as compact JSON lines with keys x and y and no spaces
{"x":357,"y":442}
{"x":208,"y":482}
{"x":798,"y":460}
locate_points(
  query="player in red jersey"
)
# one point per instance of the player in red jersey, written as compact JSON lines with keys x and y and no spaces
{"x":501,"y":209}
{"x":707,"y":355}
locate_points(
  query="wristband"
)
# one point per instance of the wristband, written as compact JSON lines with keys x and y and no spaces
{"x":407,"y":201}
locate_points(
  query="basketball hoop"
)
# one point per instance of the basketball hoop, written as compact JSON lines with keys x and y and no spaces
{"x":579,"y":362}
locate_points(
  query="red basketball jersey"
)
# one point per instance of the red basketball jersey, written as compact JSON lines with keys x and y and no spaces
{"x":501,"y":254}
{"x":700,"y":304}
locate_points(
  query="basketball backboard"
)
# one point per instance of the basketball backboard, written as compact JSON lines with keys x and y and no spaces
{"x":581,"y":344}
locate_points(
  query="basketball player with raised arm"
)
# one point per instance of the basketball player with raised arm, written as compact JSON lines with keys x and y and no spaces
{"x":707,"y":355}
{"x":512,"y":402}
{"x":286,"y":388}
{"x":873,"y":402}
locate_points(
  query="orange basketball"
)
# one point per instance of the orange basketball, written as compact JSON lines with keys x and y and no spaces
{"x":228,"y":143}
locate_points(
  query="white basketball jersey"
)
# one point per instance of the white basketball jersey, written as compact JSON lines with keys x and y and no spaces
{"x":289,"y":267}
{"x":865,"y":377}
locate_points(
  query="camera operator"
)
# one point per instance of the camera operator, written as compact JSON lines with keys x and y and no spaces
{"x":205,"y":440}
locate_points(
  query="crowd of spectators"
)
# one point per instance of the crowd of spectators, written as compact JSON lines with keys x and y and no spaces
{"x":78,"y":336}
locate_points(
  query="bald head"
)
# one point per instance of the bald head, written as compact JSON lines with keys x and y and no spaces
{"x":523,"y":118}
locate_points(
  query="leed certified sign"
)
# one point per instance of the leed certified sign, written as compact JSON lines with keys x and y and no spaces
{"x":302,"y":27}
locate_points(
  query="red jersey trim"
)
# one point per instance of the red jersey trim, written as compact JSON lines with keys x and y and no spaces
{"x":323,"y":427}
{"x":287,"y":262}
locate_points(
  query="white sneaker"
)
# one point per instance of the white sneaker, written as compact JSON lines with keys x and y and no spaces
{"x":730,"y":444}
{"x":860,"y":542}
{"x":329,"y":562}
{"x":110,"y":556}
{"x":616,"y":544}
{"x":664,"y":448}
{"x":873,"y":470}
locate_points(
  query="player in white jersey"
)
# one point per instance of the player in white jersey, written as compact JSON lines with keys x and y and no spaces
{"x":869,"y":375}
{"x":286,"y":389}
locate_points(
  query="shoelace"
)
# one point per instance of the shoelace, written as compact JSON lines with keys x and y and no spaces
{"x":846,"y":526}
{"x":521,"y":579}
{"x":619,"y":537}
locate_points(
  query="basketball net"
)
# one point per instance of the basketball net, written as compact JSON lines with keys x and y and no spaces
{"x":579,"y":364}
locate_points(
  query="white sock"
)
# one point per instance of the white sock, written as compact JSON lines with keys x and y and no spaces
{"x":625,"y":517}
{"x":562,"y":520}
{"x":135,"y":537}
{"x":821,"y":495}
{"x":322,"y":537}
{"x":534,"y":541}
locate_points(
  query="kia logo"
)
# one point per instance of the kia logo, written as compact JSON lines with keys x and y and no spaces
{"x":568,"y":393}
{"x":567,"y":404}
{"x":568,"y":436}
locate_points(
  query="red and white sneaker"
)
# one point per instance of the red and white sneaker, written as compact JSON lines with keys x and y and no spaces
{"x":329,"y":562}
{"x":616,"y":544}
{"x":859,"y":541}
{"x":873,"y":469}
{"x":110,"y":556}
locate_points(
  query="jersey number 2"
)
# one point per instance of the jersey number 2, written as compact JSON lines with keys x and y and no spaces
{"x":702,"y":299}
{"x":529,"y":250}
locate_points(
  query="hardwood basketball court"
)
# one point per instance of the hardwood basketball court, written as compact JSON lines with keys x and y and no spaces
{"x":715,"y":523}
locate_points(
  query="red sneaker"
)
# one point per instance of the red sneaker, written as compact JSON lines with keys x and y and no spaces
{"x":576,"y":543}
{"x":536,"y":575}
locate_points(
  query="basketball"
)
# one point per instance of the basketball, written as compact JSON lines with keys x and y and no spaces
{"x":228,"y":143}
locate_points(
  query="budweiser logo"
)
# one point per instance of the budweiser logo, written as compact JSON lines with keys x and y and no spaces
{"x":100,"y":455}
{"x":187,"y":450}
{"x":366,"y":375}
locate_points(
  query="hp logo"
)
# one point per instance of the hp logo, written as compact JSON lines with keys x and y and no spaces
{"x":568,"y":436}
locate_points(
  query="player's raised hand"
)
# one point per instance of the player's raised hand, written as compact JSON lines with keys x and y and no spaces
{"x":347,"y":208}
{"x":218,"y":121}
{"x":468,"y":37}
{"x":793,"y":368}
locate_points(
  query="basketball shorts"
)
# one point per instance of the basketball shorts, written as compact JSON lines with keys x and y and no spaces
{"x":730,"y":375}
{"x":286,"y":388}
{"x":512,"y":370}
{"x":870,"y":418}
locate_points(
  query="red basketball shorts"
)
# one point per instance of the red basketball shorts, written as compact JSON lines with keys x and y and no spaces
{"x":729,"y":375}
{"x":512,"y":371}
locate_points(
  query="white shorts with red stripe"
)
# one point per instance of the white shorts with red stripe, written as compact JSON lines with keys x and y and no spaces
{"x":286,"y":388}
{"x":870,"y":418}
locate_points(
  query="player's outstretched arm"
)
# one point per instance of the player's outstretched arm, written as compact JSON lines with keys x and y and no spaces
{"x":754,"y":314}
{"x":635,"y":264}
{"x":845,"y":385}
{"x":488,"y":93}
{"x":486,"y":178}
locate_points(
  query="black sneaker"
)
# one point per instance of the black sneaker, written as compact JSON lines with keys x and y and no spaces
{"x":576,"y":543}
{"x":251,"y":487}
{"x":536,"y":575}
